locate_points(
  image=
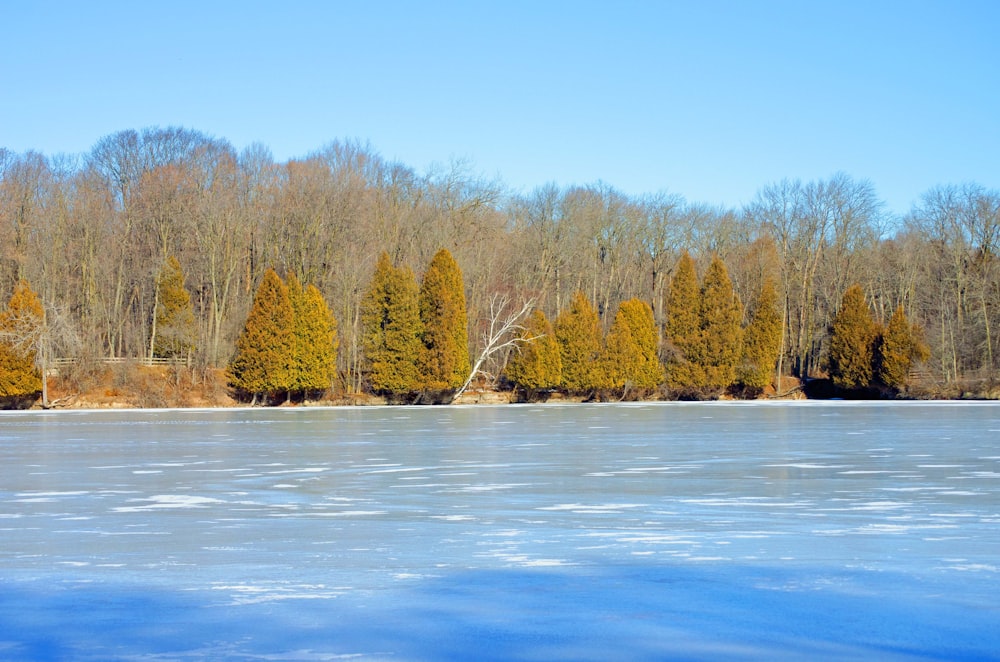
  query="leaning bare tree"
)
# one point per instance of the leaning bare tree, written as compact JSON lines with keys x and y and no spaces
{"x":501,"y":334}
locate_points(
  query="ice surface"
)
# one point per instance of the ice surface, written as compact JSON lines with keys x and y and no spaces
{"x":635,"y":531}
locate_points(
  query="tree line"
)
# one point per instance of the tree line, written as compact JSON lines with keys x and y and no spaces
{"x":415,"y":340}
{"x":93,"y":234}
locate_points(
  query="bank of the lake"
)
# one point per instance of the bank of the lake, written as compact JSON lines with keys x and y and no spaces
{"x":160,"y":387}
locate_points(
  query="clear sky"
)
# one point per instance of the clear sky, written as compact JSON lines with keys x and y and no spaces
{"x":710,"y":99}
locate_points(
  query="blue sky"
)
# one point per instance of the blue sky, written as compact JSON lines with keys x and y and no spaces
{"x":709,"y":99}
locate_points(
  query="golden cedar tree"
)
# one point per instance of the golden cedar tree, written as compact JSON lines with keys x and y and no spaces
{"x":898,"y":349}
{"x":578,"y":332}
{"x":721,"y":315}
{"x":761,"y":340}
{"x":682,"y":329}
{"x":630,"y":359}
{"x":315,"y":338}
{"x":265,"y":348}
{"x":391,"y":329}
{"x":175,"y":323}
{"x":20,"y":326}
{"x":852,"y":341}
{"x":536,"y":364}
{"x":445,"y":360}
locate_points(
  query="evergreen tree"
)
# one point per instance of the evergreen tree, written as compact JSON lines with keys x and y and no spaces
{"x":174,"y":330}
{"x":314,"y":337}
{"x":761,"y":341}
{"x":20,"y":330}
{"x":682,"y":330}
{"x":265,"y":349}
{"x":391,"y":329}
{"x":898,"y":348}
{"x":721,"y":316}
{"x":536,"y":364}
{"x":629,"y":359}
{"x":578,"y":332}
{"x":445,"y":360}
{"x":852,"y":341}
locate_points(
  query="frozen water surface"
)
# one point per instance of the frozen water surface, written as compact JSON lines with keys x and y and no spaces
{"x":583,"y":532}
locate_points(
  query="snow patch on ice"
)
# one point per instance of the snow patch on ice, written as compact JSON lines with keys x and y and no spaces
{"x":608,"y":508}
{"x":975,"y":567}
{"x":160,"y":501}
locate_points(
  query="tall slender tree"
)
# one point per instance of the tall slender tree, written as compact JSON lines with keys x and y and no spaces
{"x":721,"y":317}
{"x":536,"y":364}
{"x":761,"y":341}
{"x":391,"y":335}
{"x":682,"y":329}
{"x":899,"y":347}
{"x":578,"y":330}
{"x":174,"y":328}
{"x":445,"y":360}
{"x":852,"y":341}
{"x":315,"y":339}
{"x":21,"y":327}
{"x":630,"y":360}
{"x":265,"y":349}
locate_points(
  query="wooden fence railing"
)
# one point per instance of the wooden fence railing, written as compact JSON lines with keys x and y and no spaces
{"x":117,"y":360}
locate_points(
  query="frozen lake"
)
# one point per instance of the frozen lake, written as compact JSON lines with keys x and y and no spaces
{"x":578,"y":532}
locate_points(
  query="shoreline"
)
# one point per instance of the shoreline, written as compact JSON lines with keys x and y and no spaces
{"x":156,"y":388}
{"x":761,"y":402}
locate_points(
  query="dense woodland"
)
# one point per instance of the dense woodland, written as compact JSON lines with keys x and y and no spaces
{"x":164,"y":220}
